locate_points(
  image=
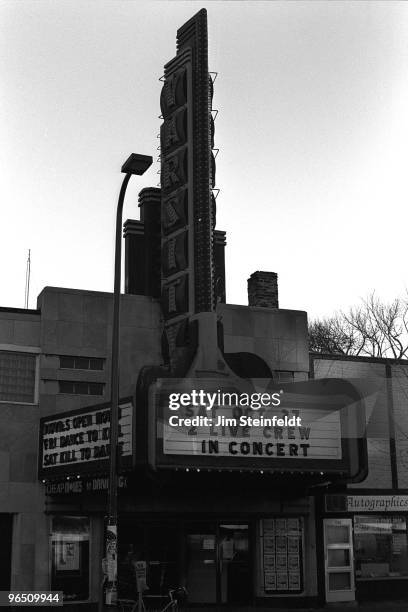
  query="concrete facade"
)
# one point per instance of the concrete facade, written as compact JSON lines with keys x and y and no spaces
{"x":277,"y":336}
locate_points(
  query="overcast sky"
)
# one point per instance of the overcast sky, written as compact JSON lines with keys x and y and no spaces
{"x":312,"y":131}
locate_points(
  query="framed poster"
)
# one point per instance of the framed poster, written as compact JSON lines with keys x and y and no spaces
{"x":281,"y":563}
{"x":269,"y":563}
{"x":294,"y":581}
{"x":270,"y":581}
{"x":269,"y":545}
{"x":282,"y":581}
{"x":293,"y":545}
{"x":67,"y":556}
{"x":293,"y":563}
{"x":281,"y":544}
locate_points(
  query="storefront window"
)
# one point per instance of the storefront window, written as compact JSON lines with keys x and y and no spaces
{"x":380,"y":546}
{"x":70,"y":556}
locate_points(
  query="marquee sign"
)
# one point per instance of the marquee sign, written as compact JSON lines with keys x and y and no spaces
{"x":78,"y":442}
{"x":310,"y":429}
{"x":319,"y":438}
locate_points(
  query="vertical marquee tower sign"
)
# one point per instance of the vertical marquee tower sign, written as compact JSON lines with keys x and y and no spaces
{"x":187,"y":180}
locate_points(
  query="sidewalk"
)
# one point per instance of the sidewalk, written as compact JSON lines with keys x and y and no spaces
{"x":368,"y":606}
{"x":374,"y":606}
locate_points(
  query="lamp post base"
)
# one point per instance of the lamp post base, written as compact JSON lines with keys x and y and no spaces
{"x":111,"y":564}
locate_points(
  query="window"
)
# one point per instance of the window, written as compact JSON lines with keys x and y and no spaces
{"x":283,"y":376}
{"x":17,"y":377}
{"x":70,"y":556}
{"x":81,"y":363}
{"x":380,"y":546}
{"x":80,"y":387}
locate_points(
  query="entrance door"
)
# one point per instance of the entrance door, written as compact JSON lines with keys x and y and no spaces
{"x":217,"y":563}
{"x":201,"y":563}
{"x":5,"y":551}
{"x":338,"y":560}
{"x":235,"y":577}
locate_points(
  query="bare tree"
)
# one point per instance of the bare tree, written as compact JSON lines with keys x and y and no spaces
{"x":333,"y":335}
{"x":373,"y":328}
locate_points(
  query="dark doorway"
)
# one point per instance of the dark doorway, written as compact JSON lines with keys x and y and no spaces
{"x":201,"y":563}
{"x":234,"y":564}
{"x":6,"y":528}
{"x":218,"y":568}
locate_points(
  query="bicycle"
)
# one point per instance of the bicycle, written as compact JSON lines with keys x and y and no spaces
{"x":176,"y":597}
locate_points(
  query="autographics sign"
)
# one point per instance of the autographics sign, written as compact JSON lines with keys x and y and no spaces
{"x":366,"y":503}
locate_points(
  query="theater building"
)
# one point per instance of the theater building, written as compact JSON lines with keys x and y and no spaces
{"x":211,"y":530}
{"x":273,"y":515}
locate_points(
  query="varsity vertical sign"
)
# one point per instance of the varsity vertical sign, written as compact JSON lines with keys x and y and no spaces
{"x":187,"y":179}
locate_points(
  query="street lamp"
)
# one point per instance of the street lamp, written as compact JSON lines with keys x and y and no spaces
{"x":135,"y":164}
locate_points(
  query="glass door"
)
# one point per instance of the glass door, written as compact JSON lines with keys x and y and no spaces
{"x":217,"y":563}
{"x":235,"y":578}
{"x":201,"y":563}
{"x":338,"y":555}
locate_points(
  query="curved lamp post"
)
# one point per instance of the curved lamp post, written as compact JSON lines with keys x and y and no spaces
{"x":135,"y":164}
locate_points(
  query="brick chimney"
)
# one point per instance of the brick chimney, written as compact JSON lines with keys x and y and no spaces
{"x":263,"y":290}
